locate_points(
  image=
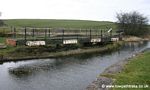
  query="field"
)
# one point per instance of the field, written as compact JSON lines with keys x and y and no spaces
{"x":55,"y":24}
{"x":52,"y":23}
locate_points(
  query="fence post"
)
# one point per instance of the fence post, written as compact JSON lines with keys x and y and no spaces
{"x":110,"y":34}
{"x":14,"y":32}
{"x":101,"y":36}
{"x":25,"y":34}
{"x":45,"y":34}
{"x":77,"y":34}
{"x":49,"y":32}
{"x":90,"y":34}
{"x":11,"y":30}
{"x":63,"y":35}
{"x":33,"y":32}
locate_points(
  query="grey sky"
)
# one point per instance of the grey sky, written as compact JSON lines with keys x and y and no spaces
{"x":100,"y":10}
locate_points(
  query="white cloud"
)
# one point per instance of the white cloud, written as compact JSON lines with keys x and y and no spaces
{"x":71,"y":9}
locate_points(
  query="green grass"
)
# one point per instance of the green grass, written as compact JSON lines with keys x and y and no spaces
{"x":58,"y":23}
{"x":136,"y":72}
{"x":7,"y":50}
{"x":2,"y":39}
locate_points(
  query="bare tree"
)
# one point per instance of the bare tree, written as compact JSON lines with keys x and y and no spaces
{"x":133,"y":23}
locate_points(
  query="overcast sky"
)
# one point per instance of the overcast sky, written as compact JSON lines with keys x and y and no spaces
{"x":99,"y":10}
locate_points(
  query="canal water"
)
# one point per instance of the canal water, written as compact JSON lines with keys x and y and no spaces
{"x":67,"y":73}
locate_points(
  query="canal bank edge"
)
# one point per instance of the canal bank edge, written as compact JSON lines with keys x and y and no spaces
{"x":106,"y":77}
{"x":15,"y":56}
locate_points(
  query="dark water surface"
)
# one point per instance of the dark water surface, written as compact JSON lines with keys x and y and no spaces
{"x":69,"y":73}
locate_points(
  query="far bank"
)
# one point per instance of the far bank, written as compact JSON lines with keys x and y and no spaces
{"x":26,"y":53}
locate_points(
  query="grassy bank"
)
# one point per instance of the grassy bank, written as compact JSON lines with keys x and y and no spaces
{"x":136,"y":72}
{"x":24,"y":52}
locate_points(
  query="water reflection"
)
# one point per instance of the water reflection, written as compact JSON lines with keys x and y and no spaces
{"x":135,"y":46}
{"x":32,"y":68}
{"x":28,"y":69}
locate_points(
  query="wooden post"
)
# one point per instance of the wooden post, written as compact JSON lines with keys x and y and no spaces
{"x":86,"y":32}
{"x":111,"y":34}
{"x":63,"y":35}
{"x":98,"y":33}
{"x":33,"y":32}
{"x":25,"y":34}
{"x":45,"y":34}
{"x":13,"y":33}
{"x":37,"y":32}
{"x":11,"y":30}
{"x":101,"y":36}
{"x":77,"y":34}
{"x":49,"y":32}
{"x":90,"y":34}
{"x":119,"y":35}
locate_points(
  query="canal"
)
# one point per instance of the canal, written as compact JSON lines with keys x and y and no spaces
{"x":67,"y":73}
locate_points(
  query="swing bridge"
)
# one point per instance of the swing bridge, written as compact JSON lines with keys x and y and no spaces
{"x":44,"y":36}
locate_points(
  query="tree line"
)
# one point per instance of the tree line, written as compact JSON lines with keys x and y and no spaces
{"x":133,"y":23}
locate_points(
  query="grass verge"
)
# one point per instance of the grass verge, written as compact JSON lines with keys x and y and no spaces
{"x":136,"y":72}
